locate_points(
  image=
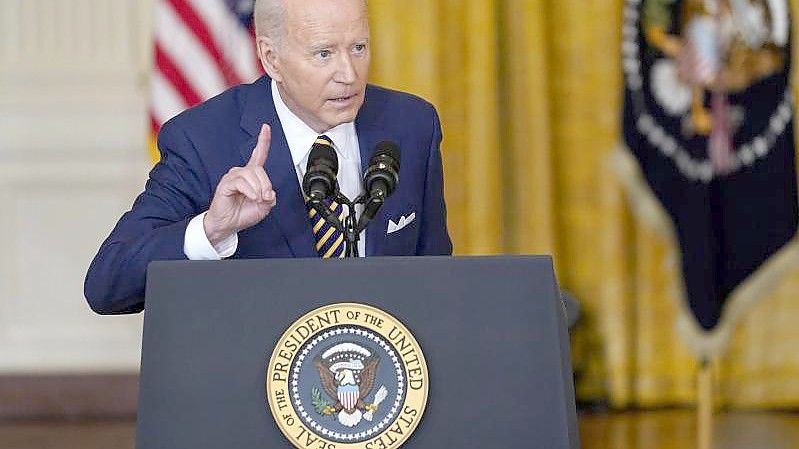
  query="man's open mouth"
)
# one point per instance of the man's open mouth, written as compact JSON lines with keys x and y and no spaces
{"x":342,"y":99}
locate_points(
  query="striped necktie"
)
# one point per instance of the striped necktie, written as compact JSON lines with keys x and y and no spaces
{"x":329,"y":240}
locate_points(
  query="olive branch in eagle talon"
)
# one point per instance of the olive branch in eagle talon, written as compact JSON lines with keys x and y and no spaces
{"x":320,"y":404}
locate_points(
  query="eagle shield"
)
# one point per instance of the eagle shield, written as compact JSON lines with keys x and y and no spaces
{"x":348,"y":395}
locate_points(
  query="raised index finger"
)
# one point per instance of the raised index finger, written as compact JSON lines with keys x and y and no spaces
{"x":261,"y":150}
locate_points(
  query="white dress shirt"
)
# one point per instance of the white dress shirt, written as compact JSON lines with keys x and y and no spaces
{"x":300,"y":138}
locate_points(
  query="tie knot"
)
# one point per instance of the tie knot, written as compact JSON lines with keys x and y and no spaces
{"x":324,"y":140}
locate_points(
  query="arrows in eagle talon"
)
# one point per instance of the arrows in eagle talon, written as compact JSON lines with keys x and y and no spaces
{"x":371,"y":408}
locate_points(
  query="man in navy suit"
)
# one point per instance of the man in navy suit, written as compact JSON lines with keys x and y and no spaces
{"x":228,"y":183}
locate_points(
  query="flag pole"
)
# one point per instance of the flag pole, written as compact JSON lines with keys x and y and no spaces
{"x":704,"y":406}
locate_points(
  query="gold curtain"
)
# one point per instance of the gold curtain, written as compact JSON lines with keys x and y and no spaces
{"x":529,"y":93}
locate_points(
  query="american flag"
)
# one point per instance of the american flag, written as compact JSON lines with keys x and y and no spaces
{"x":201,"y":48}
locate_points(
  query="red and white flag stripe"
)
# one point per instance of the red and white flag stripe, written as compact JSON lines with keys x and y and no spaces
{"x":201,"y":48}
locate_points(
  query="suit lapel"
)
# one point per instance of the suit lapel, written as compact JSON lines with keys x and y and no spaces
{"x":371,"y":131}
{"x":290,"y":213}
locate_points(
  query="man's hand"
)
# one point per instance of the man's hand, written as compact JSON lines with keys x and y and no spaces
{"x":244,"y":195}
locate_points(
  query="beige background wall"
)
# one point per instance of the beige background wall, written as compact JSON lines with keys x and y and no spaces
{"x":72,"y":158}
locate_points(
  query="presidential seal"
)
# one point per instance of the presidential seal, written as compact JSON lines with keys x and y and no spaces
{"x":347,"y":376}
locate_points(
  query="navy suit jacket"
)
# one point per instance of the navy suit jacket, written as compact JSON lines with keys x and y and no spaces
{"x":200,"y":145}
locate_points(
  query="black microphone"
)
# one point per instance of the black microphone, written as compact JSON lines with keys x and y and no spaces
{"x":380,"y":180}
{"x":319,"y":181}
{"x":382,"y":174}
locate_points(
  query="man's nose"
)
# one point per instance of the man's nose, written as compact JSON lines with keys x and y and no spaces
{"x":345,"y":72}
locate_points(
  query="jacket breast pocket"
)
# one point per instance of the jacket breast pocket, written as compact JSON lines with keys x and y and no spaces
{"x":402,"y":233}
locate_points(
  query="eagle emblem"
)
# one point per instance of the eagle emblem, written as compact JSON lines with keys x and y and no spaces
{"x":347,"y":374}
{"x":708,"y":54}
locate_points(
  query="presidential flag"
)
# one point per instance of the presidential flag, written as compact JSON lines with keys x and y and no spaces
{"x":708,"y":131}
{"x":200,"y":48}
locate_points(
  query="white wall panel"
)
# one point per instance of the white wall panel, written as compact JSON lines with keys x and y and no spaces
{"x":72,"y":158}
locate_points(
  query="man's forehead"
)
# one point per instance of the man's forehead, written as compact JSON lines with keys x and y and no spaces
{"x":320,"y":21}
{"x":324,"y":12}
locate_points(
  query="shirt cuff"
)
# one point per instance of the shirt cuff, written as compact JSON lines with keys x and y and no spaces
{"x":197,"y":247}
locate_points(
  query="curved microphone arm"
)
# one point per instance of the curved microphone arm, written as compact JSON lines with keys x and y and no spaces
{"x":325,"y":212}
{"x":371,"y":206}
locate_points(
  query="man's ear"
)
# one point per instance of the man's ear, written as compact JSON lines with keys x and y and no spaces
{"x":267,"y":53}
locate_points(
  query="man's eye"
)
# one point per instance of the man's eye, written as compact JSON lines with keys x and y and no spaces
{"x":324,"y":54}
{"x":360,"y":48}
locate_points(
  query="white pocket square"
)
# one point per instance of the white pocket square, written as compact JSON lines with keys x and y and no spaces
{"x":401,"y":223}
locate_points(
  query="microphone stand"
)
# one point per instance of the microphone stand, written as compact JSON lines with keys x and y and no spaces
{"x":351,"y":236}
{"x":351,"y":228}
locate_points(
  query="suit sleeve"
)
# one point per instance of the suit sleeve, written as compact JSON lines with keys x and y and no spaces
{"x":154,"y":228}
{"x":433,"y":238}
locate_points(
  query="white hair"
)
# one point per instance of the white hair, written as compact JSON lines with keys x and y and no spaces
{"x":270,"y":19}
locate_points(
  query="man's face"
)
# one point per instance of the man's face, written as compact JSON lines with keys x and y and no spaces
{"x":322,"y":64}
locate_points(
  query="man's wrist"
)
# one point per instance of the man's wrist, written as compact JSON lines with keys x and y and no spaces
{"x":214,"y":235}
{"x":197,"y":246}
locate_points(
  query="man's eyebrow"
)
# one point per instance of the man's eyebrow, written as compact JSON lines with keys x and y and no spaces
{"x":321,"y":45}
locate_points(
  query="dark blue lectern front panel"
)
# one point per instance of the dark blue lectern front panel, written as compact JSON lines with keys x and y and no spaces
{"x":491,"y":329}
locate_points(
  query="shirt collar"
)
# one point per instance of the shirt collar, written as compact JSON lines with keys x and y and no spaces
{"x":300,"y":137}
